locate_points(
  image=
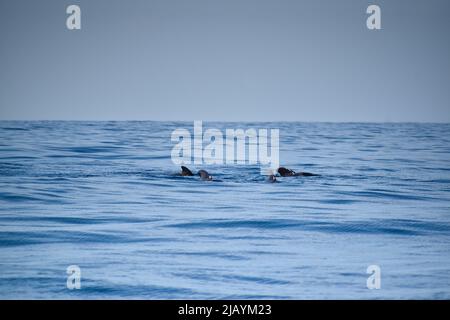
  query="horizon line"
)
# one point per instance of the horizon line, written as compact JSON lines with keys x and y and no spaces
{"x":232,"y":121}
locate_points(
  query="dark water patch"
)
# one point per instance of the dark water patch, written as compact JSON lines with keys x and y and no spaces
{"x":105,"y":289}
{"x":14,"y":129}
{"x":228,"y":207}
{"x":207,"y":254}
{"x":11,"y":197}
{"x":74,"y":220}
{"x":21,"y":157}
{"x":246,"y":237}
{"x":19,"y":238}
{"x":436,"y":168}
{"x":380,"y":226}
{"x":385,"y":194}
{"x":222,"y":223}
{"x":87,"y":149}
{"x":338,"y":201}
{"x":444,"y":181}
{"x":352,"y":274}
{"x":255,"y":279}
{"x":11,"y":165}
{"x":268,"y":253}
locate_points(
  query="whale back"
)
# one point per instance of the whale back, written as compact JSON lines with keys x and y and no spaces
{"x":285,"y":172}
{"x":204,"y":175}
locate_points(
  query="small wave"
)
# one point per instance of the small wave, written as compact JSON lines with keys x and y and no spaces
{"x":20,"y":238}
{"x":381,"y":226}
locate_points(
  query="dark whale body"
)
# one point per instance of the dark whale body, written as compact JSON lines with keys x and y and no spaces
{"x":185,"y":172}
{"x":204,"y":175}
{"x":284,"y":172}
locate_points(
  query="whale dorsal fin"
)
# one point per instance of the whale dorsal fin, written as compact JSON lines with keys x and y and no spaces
{"x":185,"y":171}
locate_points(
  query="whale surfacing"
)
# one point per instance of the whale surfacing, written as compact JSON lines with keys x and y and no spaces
{"x":281,"y":171}
{"x":185,"y":172}
{"x":204,"y":175}
{"x":284,"y":172}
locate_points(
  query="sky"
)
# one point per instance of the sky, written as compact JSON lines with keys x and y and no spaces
{"x":225,"y":60}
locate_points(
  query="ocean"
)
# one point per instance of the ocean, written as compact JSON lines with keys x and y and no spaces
{"x":106,"y":197}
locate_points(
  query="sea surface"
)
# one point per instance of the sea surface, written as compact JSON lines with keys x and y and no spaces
{"x":105,"y":196}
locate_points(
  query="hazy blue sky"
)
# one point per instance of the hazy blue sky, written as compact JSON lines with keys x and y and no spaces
{"x":254,"y":60}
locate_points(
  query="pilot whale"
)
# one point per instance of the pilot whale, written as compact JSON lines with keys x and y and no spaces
{"x":204,"y":175}
{"x":185,"y":172}
{"x":284,"y":172}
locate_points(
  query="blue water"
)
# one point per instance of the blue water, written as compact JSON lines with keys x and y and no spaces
{"x":105,"y":196}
